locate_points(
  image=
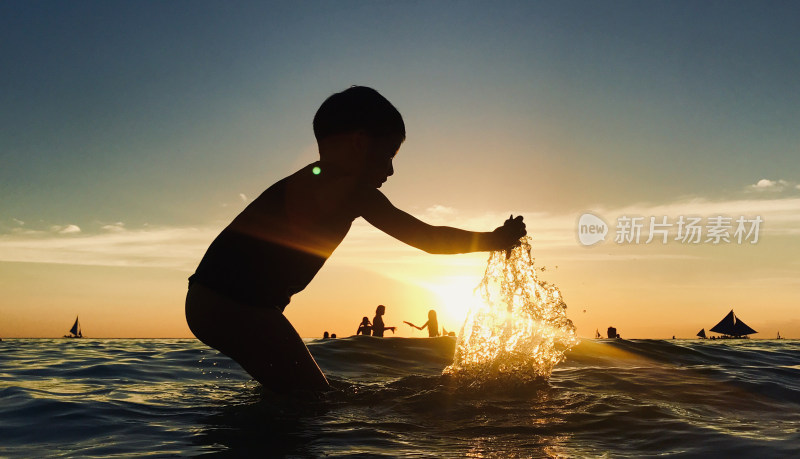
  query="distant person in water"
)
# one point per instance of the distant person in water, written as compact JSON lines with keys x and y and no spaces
{"x":365,"y":327}
{"x":377,"y":323}
{"x":279,"y":242}
{"x":325,"y":335}
{"x":432,"y":324}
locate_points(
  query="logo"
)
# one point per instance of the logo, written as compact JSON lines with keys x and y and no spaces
{"x":591,"y":229}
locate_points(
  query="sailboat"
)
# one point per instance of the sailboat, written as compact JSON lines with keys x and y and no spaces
{"x":75,"y":331}
{"x":732,"y":327}
{"x":702,"y":333}
{"x":597,"y":334}
{"x":779,"y":336}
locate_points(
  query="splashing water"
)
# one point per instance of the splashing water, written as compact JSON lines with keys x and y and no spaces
{"x":520,"y":330}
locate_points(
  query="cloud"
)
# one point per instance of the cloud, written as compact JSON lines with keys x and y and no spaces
{"x":438,"y":209}
{"x":65,"y":229}
{"x":167,"y":247}
{"x":114,"y":227}
{"x":438,"y":213}
{"x":241,"y":198}
{"x":554,"y":234}
{"x":767,"y":185}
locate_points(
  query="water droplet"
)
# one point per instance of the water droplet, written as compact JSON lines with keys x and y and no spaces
{"x":518,"y":331}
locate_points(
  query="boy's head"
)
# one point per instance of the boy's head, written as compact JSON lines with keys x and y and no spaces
{"x":361,"y":131}
{"x":358,"y":108}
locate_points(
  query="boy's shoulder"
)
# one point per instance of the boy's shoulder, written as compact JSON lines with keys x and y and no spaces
{"x":320,"y":188}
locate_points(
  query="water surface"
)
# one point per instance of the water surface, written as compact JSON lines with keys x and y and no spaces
{"x":614,"y":398}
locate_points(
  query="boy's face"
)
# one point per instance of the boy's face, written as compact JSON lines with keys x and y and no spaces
{"x":379,"y":153}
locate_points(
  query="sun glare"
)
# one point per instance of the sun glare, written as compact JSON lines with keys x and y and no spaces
{"x":455,"y":295}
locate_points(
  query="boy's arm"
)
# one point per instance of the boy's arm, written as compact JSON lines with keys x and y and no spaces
{"x":380,"y":213}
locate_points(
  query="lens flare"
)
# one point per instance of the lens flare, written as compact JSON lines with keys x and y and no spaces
{"x":316,"y":170}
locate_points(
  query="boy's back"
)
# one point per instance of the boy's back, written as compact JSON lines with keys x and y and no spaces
{"x":276,"y":245}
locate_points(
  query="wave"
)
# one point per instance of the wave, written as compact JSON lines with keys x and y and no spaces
{"x":407,"y":355}
{"x":610,"y":397}
{"x":368,"y":358}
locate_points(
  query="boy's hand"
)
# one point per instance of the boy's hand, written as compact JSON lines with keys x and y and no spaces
{"x":507,"y":236}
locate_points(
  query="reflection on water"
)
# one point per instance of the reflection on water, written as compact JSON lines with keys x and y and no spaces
{"x":413,"y":416}
{"x":518,"y":331}
{"x":615,"y":398}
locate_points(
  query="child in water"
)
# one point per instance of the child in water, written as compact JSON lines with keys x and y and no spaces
{"x":432,"y":324}
{"x":280,"y":241}
{"x":377,"y":323}
{"x":364,"y":328}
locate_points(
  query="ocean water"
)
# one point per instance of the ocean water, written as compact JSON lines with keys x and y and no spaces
{"x":609,"y":398}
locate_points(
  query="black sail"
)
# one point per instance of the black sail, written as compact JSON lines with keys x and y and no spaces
{"x":726,"y":325}
{"x":732,"y":326}
{"x":742,"y":329}
{"x":74,"y":329}
{"x":702,"y":333}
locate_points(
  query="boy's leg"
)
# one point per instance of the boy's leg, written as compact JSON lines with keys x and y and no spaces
{"x":261,"y":340}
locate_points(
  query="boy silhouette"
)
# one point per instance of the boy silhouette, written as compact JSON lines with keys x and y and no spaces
{"x":279,"y":242}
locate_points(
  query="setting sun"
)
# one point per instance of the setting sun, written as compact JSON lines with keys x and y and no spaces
{"x":455,"y":295}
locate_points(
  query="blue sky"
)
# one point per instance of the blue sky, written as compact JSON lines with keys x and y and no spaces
{"x":144,"y":111}
{"x":136,"y":115}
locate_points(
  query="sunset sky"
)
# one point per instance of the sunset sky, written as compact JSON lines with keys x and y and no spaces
{"x":133,"y":132}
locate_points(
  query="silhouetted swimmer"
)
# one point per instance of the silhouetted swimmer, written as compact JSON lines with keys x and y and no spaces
{"x":325,"y":335}
{"x":280,"y":241}
{"x":432,"y":324}
{"x":377,"y":323}
{"x":365,"y":327}
{"x":333,"y":335}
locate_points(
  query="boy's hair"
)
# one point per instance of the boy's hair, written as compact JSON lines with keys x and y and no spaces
{"x":358,"y":108}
